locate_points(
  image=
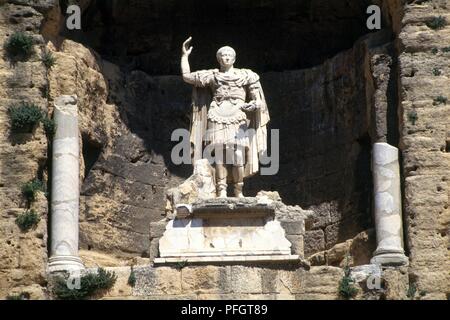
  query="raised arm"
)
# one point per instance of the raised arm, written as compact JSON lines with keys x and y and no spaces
{"x":185,"y":68}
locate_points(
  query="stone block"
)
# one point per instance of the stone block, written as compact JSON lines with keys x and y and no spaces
{"x":297,"y":247}
{"x":314,"y":242}
{"x":269,"y":280}
{"x":153,"y":251}
{"x":246,"y":279}
{"x":321,"y":216}
{"x":293,"y":227}
{"x":206,"y":279}
{"x":121,"y":288}
{"x":323,"y":280}
{"x":154,"y":281}
{"x":291,"y":281}
{"x":317,"y":259}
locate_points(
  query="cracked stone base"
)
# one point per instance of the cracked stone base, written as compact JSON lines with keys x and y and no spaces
{"x":390,"y":259}
{"x":225,"y":230}
{"x":65,"y":263}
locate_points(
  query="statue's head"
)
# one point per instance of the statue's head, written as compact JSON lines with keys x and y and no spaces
{"x":226,"y":56}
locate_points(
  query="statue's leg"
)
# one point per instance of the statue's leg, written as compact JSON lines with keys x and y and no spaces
{"x":238,"y":172}
{"x":221,"y":177}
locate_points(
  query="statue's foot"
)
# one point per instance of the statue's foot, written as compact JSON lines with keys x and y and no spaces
{"x":222,"y":194}
{"x":221,"y":190}
{"x":238,"y":190}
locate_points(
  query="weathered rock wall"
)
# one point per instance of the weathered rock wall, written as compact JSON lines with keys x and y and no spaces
{"x":425,"y":146}
{"x":249,"y":282}
{"x":23,"y":157}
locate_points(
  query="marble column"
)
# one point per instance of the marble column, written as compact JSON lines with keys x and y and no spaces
{"x":65,"y":187}
{"x":388,"y":206}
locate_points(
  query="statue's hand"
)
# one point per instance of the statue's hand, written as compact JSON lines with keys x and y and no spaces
{"x":186,"y":50}
{"x":249,"y":106}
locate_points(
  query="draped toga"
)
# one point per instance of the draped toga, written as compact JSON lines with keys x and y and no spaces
{"x":218,"y":118}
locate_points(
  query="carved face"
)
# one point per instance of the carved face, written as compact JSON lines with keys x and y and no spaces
{"x":226,"y":56}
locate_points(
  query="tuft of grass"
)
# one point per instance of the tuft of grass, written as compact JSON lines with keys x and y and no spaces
{"x":437,"y":72}
{"x":48,"y":59}
{"x":24,"y":117}
{"x":446,"y":49}
{"x":412,"y":117}
{"x":437,"y":23}
{"x":31,"y":188}
{"x":19,"y":45}
{"x":411,"y":292}
{"x":27,"y":220}
{"x":440,"y":100}
{"x":49,"y":126}
{"x":132,"y":278}
{"x":90,"y":284}
{"x":45,"y":91}
{"x":434,"y":51}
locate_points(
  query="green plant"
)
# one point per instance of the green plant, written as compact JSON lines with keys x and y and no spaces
{"x":181,"y":264}
{"x":446,"y":49}
{"x":434,"y":50}
{"x":31,"y":188}
{"x":90,"y":284}
{"x":347,"y":289}
{"x":411,"y":292}
{"x":45,"y":92}
{"x":48,"y":59}
{"x":437,"y":72}
{"x":49,"y":126}
{"x":20,"y":45}
{"x":436,"y":23}
{"x":132,"y":278}
{"x":24,"y":116}
{"x":412,"y":117}
{"x":27,"y":220}
{"x":440,"y":100}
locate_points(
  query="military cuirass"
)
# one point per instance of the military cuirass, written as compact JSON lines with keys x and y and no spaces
{"x":228,"y":98}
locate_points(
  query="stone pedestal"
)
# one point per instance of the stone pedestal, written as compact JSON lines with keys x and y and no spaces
{"x":65,"y":187}
{"x":225,"y":230}
{"x":388,"y":213}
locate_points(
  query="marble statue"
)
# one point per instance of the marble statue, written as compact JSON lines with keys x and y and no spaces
{"x":229,"y":118}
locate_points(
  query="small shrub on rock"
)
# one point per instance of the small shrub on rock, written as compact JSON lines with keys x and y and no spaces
{"x":132,"y":279}
{"x":27,"y":220}
{"x":31,"y":188}
{"x":19,"y":45}
{"x":440,"y":100}
{"x":49,"y":126}
{"x":347,"y":289}
{"x":412,"y":117}
{"x":437,"y":72}
{"x":24,"y":117}
{"x":48,"y":59}
{"x":90,"y":284}
{"x":437,"y":23}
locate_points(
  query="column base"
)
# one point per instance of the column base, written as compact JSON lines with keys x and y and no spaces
{"x":64,"y":263}
{"x":390,"y":259}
